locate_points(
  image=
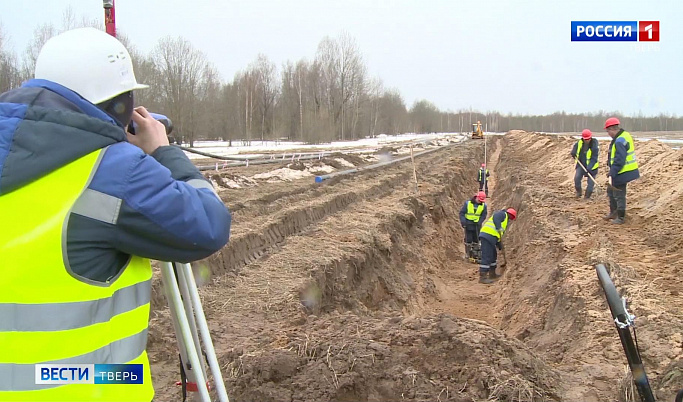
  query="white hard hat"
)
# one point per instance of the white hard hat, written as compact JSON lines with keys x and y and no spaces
{"x":88,"y":61}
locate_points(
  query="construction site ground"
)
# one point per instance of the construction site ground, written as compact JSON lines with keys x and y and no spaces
{"x":356,"y":289}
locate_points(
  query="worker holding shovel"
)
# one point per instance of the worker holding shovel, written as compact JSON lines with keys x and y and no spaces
{"x":585,"y":153}
{"x":491,"y":235}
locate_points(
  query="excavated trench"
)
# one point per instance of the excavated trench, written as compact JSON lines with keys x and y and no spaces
{"x":359,"y":291}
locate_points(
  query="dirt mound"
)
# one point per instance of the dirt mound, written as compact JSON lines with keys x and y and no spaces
{"x":345,"y":357}
{"x":551,"y":295}
{"x":229,"y":180}
{"x":352,"y":159}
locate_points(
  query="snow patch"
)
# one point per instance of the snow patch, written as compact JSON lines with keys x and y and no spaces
{"x":284,"y":174}
{"x":344,"y":162}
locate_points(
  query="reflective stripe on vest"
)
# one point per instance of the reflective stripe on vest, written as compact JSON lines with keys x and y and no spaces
{"x":490,"y":227}
{"x":630,"y":163}
{"x":473,"y":215}
{"x":481,"y":174}
{"x":589,"y":153}
{"x":48,"y":314}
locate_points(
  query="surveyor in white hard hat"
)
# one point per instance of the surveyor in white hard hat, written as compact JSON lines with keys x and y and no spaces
{"x":84,"y":206}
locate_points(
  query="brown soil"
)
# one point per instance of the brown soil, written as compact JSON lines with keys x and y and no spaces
{"x":356,"y":289}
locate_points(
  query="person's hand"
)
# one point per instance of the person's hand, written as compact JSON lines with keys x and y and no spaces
{"x":150,"y":134}
{"x":499,"y":245}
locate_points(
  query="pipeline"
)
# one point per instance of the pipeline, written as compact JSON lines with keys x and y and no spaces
{"x":214,"y":156}
{"x":320,"y":179}
{"x":257,"y":160}
{"x":293,"y":154}
{"x":217,"y":166}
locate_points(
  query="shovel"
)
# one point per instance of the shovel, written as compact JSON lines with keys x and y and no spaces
{"x":609,"y":184}
{"x":505,"y":258}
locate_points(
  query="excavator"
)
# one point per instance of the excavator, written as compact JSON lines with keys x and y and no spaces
{"x":477,"y":133}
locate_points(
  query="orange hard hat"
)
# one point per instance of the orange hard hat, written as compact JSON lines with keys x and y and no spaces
{"x":512,"y":213}
{"x":481,"y":196}
{"x":586,"y":134}
{"x":612,"y":121}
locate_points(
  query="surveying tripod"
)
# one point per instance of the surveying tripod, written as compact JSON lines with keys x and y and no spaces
{"x":190,"y":325}
{"x":187,"y":313}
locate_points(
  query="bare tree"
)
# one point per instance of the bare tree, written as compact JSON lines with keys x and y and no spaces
{"x":180,"y":67}
{"x":265,"y":75}
{"x":351,"y":74}
{"x":40,"y":36}
{"x":375,"y":89}
{"x":10,"y":75}
{"x":209,"y":108}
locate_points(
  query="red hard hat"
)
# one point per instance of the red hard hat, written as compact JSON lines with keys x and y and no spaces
{"x":586,"y":134}
{"x":512,"y":213}
{"x":481,"y":196}
{"x":612,"y":121}
{"x":483,"y":165}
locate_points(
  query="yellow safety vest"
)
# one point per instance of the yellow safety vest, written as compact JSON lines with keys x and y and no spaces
{"x":589,"y":153}
{"x":482,"y":175}
{"x":473,"y":215}
{"x":48,"y":314}
{"x":630,"y":163}
{"x":490,"y":227}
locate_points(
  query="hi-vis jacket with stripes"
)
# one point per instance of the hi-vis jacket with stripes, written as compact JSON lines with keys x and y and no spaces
{"x":82,"y":210}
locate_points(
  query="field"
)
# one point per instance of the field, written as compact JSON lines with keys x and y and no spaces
{"x":356,"y":288}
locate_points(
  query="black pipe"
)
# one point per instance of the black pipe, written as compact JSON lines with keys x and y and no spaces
{"x":632,"y":354}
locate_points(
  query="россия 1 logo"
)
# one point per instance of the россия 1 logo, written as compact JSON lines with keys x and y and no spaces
{"x":615,"y":31}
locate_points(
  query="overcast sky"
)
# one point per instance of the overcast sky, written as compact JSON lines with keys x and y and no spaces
{"x":510,"y":56}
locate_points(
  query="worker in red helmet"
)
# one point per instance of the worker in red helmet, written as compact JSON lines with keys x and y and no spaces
{"x":472,"y":216}
{"x":585,"y":155}
{"x":483,"y":179}
{"x":490,"y":236}
{"x":623,"y":168}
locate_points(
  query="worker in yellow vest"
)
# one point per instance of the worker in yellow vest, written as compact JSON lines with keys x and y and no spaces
{"x":585,"y":154}
{"x":491,"y":235}
{"x":623,"y":168}
{"x":84,"y":206}
{"x":472,"y":216}
{"x":483,"y":179}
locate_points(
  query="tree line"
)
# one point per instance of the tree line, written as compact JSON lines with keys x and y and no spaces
{"x":329,"y":98}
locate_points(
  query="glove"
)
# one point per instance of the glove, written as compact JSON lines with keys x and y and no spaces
{"x":499,"y":245}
